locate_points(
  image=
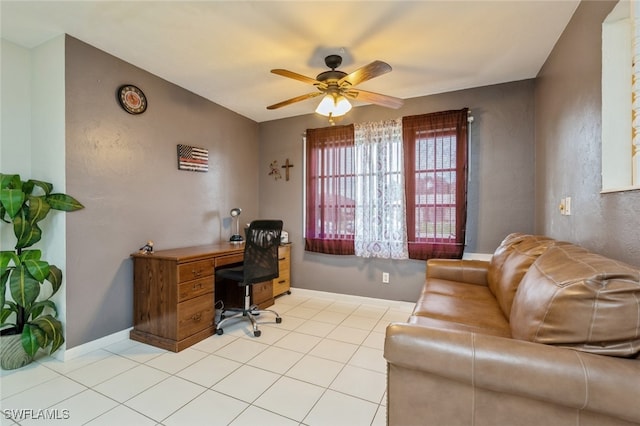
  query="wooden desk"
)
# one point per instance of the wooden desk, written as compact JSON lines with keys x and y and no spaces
{"x":173,"y":299}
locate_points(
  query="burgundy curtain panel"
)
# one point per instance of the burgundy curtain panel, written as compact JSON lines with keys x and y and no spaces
{"x":330,"y":186}
{"x":435,"y":155}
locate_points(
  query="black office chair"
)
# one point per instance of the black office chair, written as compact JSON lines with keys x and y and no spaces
{"x":260,"y":265}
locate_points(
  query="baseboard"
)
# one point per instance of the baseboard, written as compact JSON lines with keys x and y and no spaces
{"x":343,"y":297}
{"x":91,"y":346}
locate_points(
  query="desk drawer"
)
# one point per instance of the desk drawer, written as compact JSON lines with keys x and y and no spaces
{"x":190,"y":289}
{"x":229,"y":259}
{"x":282,"y":284}
{"x":284,"y":252}
{"x":195,"y":270}
{"x":195,"y":315}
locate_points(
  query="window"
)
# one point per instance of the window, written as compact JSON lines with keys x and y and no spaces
{"x":620,"y":153}
{"x":435,"y":153}
{"x":435,"y":169}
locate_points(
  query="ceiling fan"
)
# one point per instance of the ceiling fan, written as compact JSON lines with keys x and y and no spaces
{"x":338,"y":85}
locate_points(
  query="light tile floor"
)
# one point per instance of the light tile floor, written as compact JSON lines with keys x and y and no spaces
{"x":323,"y":365}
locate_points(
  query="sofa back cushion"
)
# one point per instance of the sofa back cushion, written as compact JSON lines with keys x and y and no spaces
{"x":574,"y":298}
{"x":510,"y":262}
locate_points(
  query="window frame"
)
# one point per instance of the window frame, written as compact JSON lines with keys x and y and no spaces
{"x":620,"y":166}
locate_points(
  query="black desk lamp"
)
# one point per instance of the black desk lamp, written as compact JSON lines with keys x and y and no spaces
{"x":235,"y":214}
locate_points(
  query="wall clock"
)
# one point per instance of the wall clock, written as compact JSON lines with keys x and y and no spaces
{"x":132,"y":99}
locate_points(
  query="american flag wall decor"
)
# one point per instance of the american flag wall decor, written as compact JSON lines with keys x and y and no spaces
{"x":193,"y":159}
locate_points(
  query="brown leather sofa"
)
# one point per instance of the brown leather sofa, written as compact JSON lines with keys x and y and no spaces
{"x":546,"y":333}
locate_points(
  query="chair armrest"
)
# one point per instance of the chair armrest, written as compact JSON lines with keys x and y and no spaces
{"x":552,"y":374}
{"x":466,"y":271}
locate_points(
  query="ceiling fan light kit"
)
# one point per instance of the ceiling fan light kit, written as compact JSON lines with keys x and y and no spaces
{"x":337,"y":86}
{"x":333,"y":106}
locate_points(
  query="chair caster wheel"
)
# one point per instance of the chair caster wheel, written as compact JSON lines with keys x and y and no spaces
{"x":219,"y":332}
{"x":289,"y":292}
{"x":257,"y":333}
{"x":278,"y":320}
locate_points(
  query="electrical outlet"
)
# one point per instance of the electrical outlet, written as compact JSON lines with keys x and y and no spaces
{"x":385,"y":278}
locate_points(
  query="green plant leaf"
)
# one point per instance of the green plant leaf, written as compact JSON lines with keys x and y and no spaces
{"x":6,"y":257}
{"x":27,"y":187}
{"x":20,"y":225}
{"x":8,"y":309}
{"x":38,"y":209}
{"x":52,"y":329}
{"x":10,"y":181}
{"x":38,"y":307}
{"x":45,"y":186}
{"x":64,"y":202}
{"x":34,"y":254}
{"x":55,"y":278}
{"x":24,"y":288}
{"x":27,"y":234}
{"x":4,"y":277}
{"x":38,"y":269}
{"x":12,"y":200}
{"x":4,"y":314}
{"x":32,"y":339}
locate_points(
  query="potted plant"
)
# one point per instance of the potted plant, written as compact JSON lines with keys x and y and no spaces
{"x":28,"y":320}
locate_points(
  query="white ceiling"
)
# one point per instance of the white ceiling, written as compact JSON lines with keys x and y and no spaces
{"x":224,"y":50}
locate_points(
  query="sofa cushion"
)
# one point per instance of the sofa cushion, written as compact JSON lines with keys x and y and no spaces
{"x":571,"y":297}
{"x":462,"y":305}
{"x":510,"y":262}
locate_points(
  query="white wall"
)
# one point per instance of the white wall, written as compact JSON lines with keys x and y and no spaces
{"x":33,"y":134}
{"x":15,"y":122}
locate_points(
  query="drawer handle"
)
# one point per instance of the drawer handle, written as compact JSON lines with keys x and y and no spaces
{"x":196,"y":317}
{"x":197,"y":286}
{"x":197,"y":273}
{"x":282,"y":258}
{"x":282,"y":281}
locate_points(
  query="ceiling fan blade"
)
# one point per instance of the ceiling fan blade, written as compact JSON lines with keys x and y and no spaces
{"x":299,"y":77}
{"x":294,"y":100}
{"x":374,"y":98}
{"x":374,"y":69}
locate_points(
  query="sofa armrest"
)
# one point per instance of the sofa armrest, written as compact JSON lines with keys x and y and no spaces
{"x":551,"y":374}
{"x":467,"y":271}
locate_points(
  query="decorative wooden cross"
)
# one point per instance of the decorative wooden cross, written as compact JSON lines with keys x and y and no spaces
{"x":287,"y":166}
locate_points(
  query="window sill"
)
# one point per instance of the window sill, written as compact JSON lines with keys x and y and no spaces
{"x":621,"y":189}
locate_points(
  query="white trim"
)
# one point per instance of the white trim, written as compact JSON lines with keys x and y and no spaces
{"x":91,"y":346}
{"x":618,"y":166}
{"x":621,"y":189}
{"x":477,"y":256}
{"x":304,"y":187}
{"x":344,"y":297}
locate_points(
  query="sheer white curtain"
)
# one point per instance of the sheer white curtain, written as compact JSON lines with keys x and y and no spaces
{"x":380,"y":214}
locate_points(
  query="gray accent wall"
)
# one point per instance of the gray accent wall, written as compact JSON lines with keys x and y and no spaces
{"x":123,"y":168}
{"x":568,"y":145}
{"x":501,"y":189}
